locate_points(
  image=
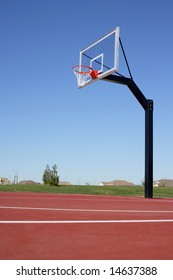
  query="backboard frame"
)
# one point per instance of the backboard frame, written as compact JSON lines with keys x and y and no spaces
{"x":99,"y":57}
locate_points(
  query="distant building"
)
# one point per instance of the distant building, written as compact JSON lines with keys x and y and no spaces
{"x":163,"y":183}
{"x":64,"y":183}
{"x":4,"y":181}
{"x":28,"y":182}
{"x":116,"y":183}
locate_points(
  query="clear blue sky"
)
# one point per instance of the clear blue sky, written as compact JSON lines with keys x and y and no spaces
{"x":96,"y":133}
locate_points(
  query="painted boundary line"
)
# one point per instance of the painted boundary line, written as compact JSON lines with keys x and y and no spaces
{"x":86,"y":221}
{"x":86,"y":210}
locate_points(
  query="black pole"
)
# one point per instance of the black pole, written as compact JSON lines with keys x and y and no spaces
{"x":149,"y":149}
{"x":147,"y":105}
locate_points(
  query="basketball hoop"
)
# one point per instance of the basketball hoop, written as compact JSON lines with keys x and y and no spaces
{"x":83,"y":72}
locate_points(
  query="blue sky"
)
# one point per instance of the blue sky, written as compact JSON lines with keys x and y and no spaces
{"x":96,"y":133}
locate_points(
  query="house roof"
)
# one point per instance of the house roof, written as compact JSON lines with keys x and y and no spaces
{"x":4,"y":181}
{"x":117,"y":183}
{"x":165,"y":182}
{"x":28,"y":182}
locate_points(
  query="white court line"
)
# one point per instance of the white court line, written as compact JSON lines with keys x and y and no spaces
{"x":86,"y":210}
{"x":86,"y":221}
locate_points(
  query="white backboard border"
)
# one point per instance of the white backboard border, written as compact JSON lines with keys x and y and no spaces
{"x":115,"y":58}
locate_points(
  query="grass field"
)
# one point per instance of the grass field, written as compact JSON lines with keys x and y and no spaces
{"x":96,"y":190}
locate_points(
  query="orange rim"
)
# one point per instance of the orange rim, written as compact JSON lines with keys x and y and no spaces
{"x":75,"y":69}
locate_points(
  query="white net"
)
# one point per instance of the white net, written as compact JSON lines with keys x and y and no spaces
{"x":82,"y":74}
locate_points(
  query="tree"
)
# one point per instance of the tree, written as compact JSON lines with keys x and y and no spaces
{"x":50,"y":176}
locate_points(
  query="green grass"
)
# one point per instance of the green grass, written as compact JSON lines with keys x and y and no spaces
{"x":96,"y":190}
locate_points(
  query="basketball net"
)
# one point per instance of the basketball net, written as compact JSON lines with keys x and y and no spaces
{"x":82,"y":73}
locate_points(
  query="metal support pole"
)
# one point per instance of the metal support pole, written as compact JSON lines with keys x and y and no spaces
{"x":147,"y":105}
{"x":149,"y":149}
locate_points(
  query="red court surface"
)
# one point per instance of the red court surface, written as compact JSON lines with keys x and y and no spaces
{"x":84,"y":227}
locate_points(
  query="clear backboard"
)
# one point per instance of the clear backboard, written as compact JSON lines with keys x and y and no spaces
{"x":98,"y":60}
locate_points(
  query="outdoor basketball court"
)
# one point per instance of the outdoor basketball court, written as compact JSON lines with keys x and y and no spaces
{"x":88,"y":227}
{"x":84,"y":227}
